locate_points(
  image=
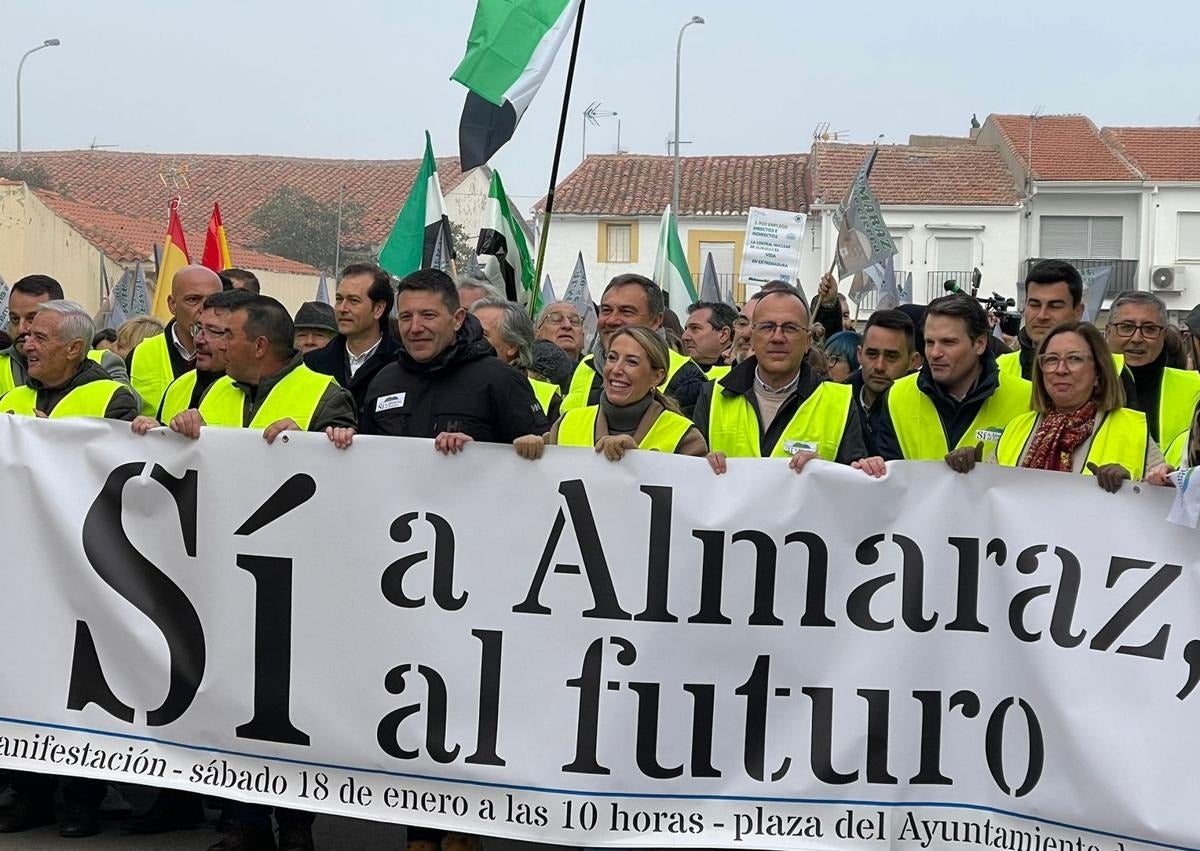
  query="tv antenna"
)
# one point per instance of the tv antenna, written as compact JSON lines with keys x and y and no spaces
{"x":592,"y":115}
{"x":95,"y":146}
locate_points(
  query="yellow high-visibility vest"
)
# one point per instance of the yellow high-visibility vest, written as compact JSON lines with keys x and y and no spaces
{"x":150,"y":372}
{"x":545,"y":393}
{"x":718,"y":371}
{"x":919,"y":428}
{"x":87,"y":400}
{"x":586,"y":374}
{"x":1177,"y":398}
{"x":817,"y":425}
{"x":295,"y":397}
{"x":178,"y":397}
{"x":578,"y":428}
{"x":1121,"y":438}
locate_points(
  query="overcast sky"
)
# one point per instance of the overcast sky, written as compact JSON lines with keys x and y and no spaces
{"x":363,"y":78}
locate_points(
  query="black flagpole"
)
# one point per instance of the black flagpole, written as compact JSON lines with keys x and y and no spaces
{"x":543,"y":235}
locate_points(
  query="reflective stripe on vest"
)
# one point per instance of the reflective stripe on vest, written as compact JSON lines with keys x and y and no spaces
{"x":718,"y":371}
{"x":1010,"y":364}
{"x":1121,"y":439}
{"x":585,"y":375}
{"x":150,"y":372}
{"x":818,"y":424}
{"x":178,"y":397}
{"x":7,"y":382}
{"x":578,"y":428}
{"x":1177,"y":398}
{"x":295,"y":397}
{"x":919,"y":429}
{"x":88,"y":400}
{"x":545,"y":393}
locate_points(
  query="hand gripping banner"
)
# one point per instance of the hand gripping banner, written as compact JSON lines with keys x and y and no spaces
{"x":591,"y":653}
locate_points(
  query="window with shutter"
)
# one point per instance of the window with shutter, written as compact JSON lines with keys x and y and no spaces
{"x":954,"y":254}
{"x":1081,"y":237}
{"x":1064,"y":237}
{"x":1189,"y":236}
{"x":1106,"y":238}
{"x":619,"y":243}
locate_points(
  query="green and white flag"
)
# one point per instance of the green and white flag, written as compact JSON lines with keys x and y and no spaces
{"x":422,"y":221}
{"x":503,"y":250}
{"x":509,"y":53}
{"x":671,"y":268}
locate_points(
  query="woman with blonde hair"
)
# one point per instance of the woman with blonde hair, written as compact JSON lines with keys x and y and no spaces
{"x":133,"y":331}
{"x":632,"y":413}
{"x":1079,"y":422}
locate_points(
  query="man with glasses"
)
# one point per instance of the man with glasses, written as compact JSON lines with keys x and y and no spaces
{"x":561,"y":324}
{"x":159,"y":360}
{"x":209,"y":336}
{"x":773,"y":405}
{"x":1136,"y":325}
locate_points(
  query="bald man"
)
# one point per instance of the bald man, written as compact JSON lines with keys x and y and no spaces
{"x":159,"y":360}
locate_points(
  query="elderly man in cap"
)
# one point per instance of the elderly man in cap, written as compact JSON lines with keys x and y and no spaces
{"x":315,"y":325}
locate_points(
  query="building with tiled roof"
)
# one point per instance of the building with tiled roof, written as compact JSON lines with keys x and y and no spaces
{"x":1161,"y":154}
{"x":904,"y":175}
{"x":1095,"y":197}
{"x":141,"y":185}
{"x":44,"y":232}
{"x":1056,"y":148}
{"x":640,"y":185}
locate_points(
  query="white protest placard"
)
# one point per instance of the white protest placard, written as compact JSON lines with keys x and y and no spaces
{"x":602,"y":654}
{"x":771,"y":250}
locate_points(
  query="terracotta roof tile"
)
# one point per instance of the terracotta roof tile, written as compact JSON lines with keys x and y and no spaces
{"x":1160,"y":153}
{"x":1065,"y":147}
{"x":640,"y":185}
{"x":126,"y":239}
{"x":130,"y":183}
{"x":903,"y":174}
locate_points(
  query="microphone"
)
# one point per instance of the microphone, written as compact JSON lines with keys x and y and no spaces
{"x":952,"y":287}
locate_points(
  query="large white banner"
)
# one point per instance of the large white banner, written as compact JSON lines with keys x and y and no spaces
{"x":594,"y":653}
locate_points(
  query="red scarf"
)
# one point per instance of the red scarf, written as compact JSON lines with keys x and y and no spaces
{"x":1057,"y":438}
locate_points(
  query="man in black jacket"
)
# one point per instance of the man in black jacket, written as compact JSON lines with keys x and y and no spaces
{"x":364,"y":344}
{"x":446,"y":382}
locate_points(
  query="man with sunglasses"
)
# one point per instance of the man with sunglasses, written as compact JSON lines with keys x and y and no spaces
{"x":1137,"y":324}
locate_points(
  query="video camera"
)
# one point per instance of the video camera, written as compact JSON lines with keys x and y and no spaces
{"x":996,"y":306}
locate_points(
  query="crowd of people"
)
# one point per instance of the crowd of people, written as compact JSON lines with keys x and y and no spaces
{"x":455,"y":362}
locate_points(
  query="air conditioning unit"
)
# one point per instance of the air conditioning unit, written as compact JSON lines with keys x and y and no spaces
{"x":1168,"y":279}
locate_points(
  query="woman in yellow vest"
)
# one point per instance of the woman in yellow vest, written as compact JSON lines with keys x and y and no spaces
{"x":1079,"y":423}
{"x":632,"y":413}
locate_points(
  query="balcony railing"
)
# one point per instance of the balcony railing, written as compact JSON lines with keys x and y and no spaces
{"x":935,"y":283}
{"x":1124,"y":276}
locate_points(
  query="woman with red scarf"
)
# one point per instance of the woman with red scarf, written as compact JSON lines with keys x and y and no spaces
{"x":1079,"y":423}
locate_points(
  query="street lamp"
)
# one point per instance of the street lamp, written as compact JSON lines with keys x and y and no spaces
{"x":50,"y":42}
{"x":696,"y":19}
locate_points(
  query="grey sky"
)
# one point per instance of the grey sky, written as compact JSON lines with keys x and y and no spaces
{"x":363,"y":78}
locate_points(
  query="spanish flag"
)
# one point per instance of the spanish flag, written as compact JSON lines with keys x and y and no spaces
{"x":174,"y":257}
{"x":216,"y":247}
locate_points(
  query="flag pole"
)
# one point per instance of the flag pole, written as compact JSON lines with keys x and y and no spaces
{"x":562,"y":129}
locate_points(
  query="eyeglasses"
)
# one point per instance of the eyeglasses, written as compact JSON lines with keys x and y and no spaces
{"x":1073,"y":360}
{"x":1150,"y":331}
{"x":557,"y":318}
{"x":789,"y":329}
